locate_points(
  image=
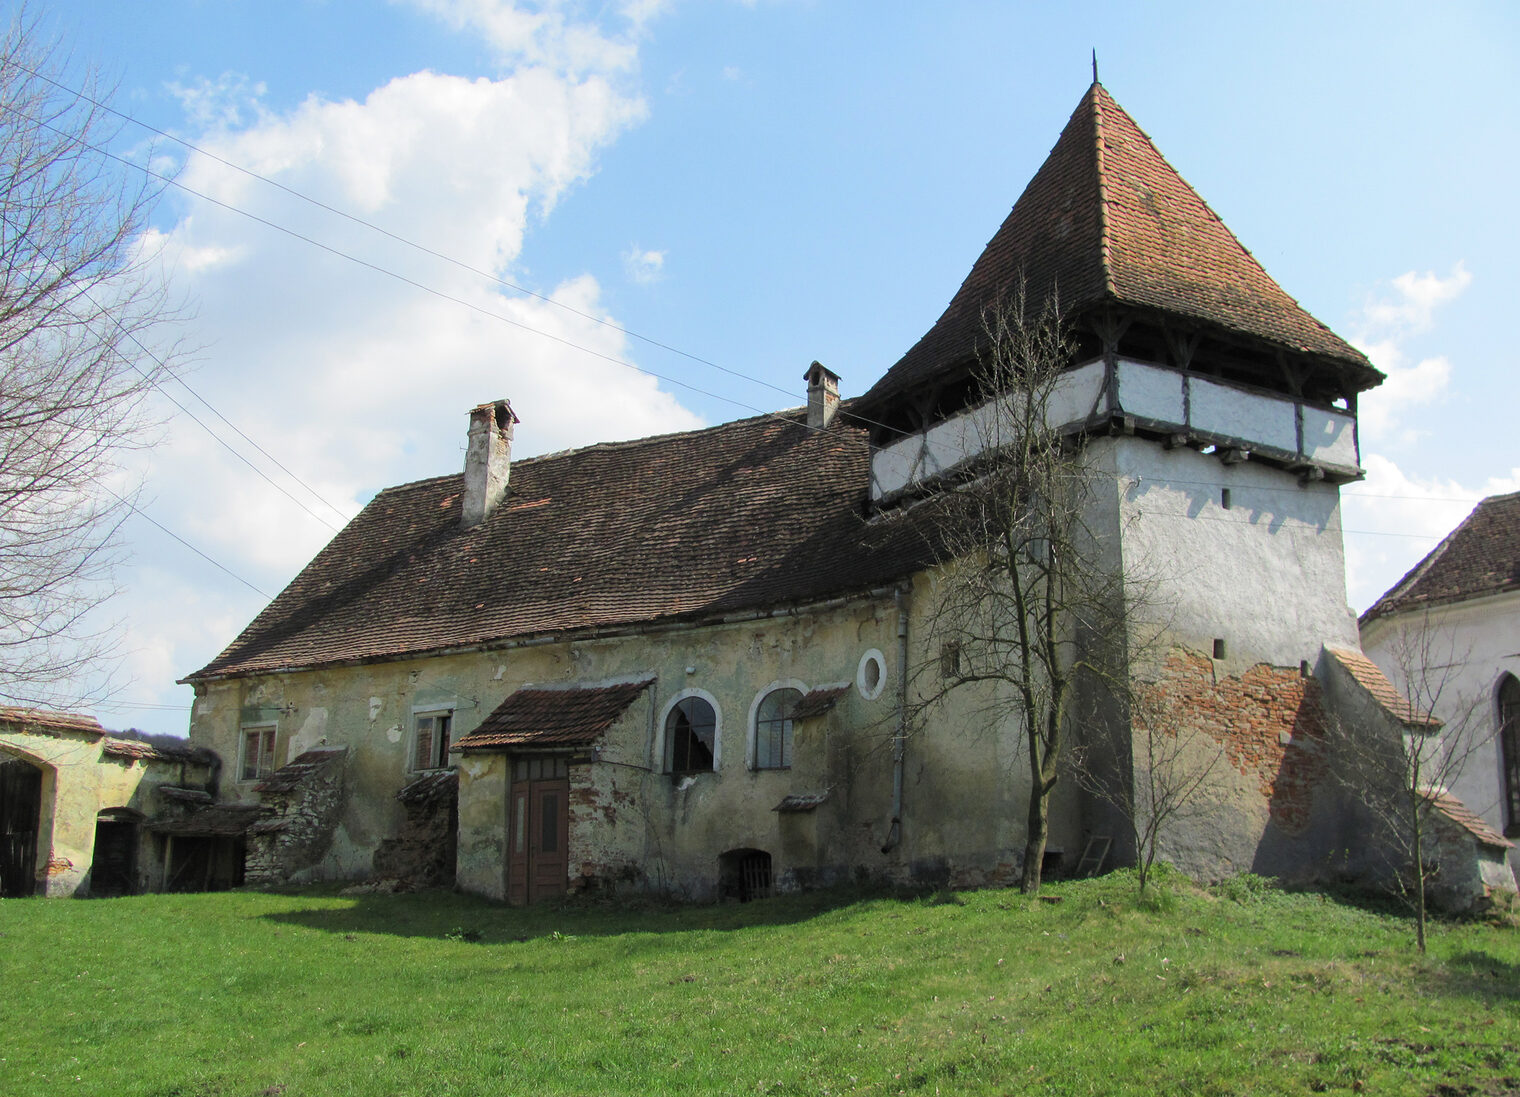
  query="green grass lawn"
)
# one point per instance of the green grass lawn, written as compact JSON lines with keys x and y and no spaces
{"x":1240,"y":990}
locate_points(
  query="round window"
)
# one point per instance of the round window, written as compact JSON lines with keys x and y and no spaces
{"x":872,"y":675}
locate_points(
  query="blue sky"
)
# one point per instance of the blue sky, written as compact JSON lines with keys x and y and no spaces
{"x":757,"y":184}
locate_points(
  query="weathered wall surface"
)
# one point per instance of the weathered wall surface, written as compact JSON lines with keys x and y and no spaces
{"x":1266,"y":804}
{"x":965,"y":794}
{"x":1477,"y":640}
{"x":1267,"y":575}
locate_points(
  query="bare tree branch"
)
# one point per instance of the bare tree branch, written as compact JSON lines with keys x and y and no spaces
{"x":78,"y":307}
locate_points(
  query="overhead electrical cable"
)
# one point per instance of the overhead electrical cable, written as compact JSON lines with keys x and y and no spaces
{"x":388,"y":234}
{"x":135,"y":509}
{"x":216,"y":436}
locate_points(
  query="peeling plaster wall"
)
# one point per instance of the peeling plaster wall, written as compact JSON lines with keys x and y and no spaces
{"x":634,"y":826}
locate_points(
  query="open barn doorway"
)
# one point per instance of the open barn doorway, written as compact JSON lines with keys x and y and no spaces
{"x":20,"y":815}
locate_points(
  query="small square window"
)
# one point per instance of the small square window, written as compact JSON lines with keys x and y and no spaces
{"x":258,"y":753}
{"x":432,"y":741}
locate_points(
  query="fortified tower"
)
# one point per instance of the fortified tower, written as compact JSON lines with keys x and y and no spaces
{"x":1222,"y":417}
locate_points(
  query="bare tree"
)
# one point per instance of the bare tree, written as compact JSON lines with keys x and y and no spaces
{"x":1400,"y":771}
{"x":1170,"y":760}
{"x":1026,"y":602}
{"x":78,"y":308}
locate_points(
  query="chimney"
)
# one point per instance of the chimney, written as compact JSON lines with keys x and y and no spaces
{"x":487,"y":460}
{"x":823,"y":395}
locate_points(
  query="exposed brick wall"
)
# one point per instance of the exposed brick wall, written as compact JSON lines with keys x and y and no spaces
{"x":1250,"y":716}
{"x":597,"y":858}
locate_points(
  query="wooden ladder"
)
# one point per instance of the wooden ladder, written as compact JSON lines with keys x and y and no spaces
{"x":1093,"y":856}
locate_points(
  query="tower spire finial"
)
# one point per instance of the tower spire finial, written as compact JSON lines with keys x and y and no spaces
{"x":1095,"y":64}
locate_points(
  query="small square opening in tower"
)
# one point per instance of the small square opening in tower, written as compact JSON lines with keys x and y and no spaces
{"x":1218,"y":648}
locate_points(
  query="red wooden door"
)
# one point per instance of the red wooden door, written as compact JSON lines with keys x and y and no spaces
{"x":538,"y":854}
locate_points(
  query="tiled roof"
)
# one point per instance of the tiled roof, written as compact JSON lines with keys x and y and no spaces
{"x":1106,"y":220}
{"x":1371,"y":678}
{"x":431,"y":786}
{"x":756,"y":513}
{"x":553,"y":717}
{"x":41,"y":720}
{"x":216,"y":821}
{"x":1462,"y":815}
{"x":816,"y":702}
{"x":295,"y":773}
{"x":1481,"y":556}
{"x":156,"y":749}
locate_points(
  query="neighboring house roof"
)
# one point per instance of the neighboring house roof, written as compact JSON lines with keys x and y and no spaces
{"x":1463,"y":816}
{"x":50,"y":723}
{"x":1371,"y":678}
{"x":155,"y":748}
{"x":1106,"y":220}
{"x":762,"y":512}
{"x":553,"y":717}
{"x":1480,"y":557}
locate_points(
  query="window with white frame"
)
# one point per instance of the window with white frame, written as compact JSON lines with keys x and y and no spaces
{"x":258,"y":753}
{"x":431,"y":749}
{"x":773,"y":728}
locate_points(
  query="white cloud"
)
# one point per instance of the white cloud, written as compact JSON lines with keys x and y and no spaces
{"x":548,"y":33}
{"x":643,"y":267}
{"x":1393,"y":519}
{"x":1384,"y":329}
{"x":353,"y":379}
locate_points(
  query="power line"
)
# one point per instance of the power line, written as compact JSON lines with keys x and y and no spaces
{"x":388,"y":234}
{"x":135,"y":509}
{"x":215,"y":436}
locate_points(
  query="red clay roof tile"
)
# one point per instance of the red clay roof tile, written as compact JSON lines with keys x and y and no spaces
{"x":553,"y":717}
{"x":1106,"y":220}
{"x":1481,"y":556}
{"x":759,"y":512}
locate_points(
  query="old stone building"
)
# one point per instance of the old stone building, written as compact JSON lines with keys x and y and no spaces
{"x":685,"y":663}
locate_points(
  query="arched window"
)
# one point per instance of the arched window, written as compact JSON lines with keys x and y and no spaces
{"x":691,"y":736}
{"x":773,"y":728}
{"x":1509,"y":751}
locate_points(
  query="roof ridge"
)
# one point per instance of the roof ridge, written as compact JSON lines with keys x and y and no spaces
{"x":1104,"y":240}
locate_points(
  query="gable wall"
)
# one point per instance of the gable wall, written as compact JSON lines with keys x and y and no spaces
{"x":1479,"y":639}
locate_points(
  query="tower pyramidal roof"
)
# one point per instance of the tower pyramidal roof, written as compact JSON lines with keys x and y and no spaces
{"x":1106,"y":221}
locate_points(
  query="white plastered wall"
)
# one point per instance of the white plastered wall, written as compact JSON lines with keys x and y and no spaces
{"x":1480,"y":638}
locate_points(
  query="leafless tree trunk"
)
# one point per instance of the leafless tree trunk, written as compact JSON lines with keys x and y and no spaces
{"x":1024,"y":604}
{"x":78,"y":310}
{"x":1171,"y":762}
{"x":1398,"y":775}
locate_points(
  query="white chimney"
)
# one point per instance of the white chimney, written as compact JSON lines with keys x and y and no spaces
{"x":487,"y":460}
{"x":823,"y":395}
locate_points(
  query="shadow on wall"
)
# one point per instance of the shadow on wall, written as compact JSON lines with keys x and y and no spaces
{"x":1303,"y":831}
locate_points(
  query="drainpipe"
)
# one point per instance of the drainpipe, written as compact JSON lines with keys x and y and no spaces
{"x":900,"y":740}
